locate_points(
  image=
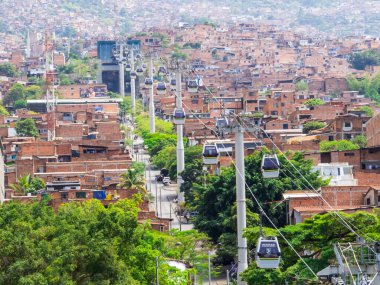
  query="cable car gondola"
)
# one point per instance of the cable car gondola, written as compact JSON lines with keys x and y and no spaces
{"x":173,"y":84}
{"x":210,"y":154}
{"x":133,"y":75}
{"x":148,"y":82}
{"x":128,"y":67}
{"x":192,"y":86}
{"x":268,"y":253}
{"x":221,"y":123}
{"x":139,"y":71}
{"x":161,"y":71}
{"x":270,"y":166}
{"x":179,"y":116}
{"x":161,"y":88}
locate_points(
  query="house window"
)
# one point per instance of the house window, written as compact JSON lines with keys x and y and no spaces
{"x":194,"y":101}
{"x":64,"y":196}
{"x":368,"y":201}
{"x":331,"y":138}
{"x":378,"y":199}
{"x":347,"y":124}
{"x":80,"y":195}
{"x":285,"y":126}
{"x":349,"y":154}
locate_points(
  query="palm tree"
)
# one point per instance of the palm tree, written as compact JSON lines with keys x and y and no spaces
{"x":22,"y":185}
{"x":133,"y":180}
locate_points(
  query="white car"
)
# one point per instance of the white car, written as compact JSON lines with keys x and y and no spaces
{"x":166,"y":180}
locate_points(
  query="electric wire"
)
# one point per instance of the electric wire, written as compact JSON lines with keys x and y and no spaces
{"x":261,"y":208}
{"x":345,"y":223}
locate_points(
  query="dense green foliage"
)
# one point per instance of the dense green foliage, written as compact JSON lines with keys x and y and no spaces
{"x":26,"y":128}
{"x":167,"y":158}
{"x":192,"y":45}
{"x":368,"y":111}
{"x":133,"y":179}
{"x":314,"y":102}
{"x":360,"y":60}
{"x":89,"y":244}
{"x":340,"y":145}
{"x":214,"y":196}
{"x":313,"y":240}
{"x":360,"y":140}
{"x":28,"y":184}
{"x":311,"y":126}
{"x":369,"y":87}
{"x":20,"y":92}
{"x":20,"y":104}
{"x":3,"y":111}
{"x":8,"y":69}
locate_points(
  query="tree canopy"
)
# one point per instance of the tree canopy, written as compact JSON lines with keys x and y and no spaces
{"x":360,"y":60}
{"x":341,"y":145}
{"x":369,"y":87}
{"x":314,"y":102}
{"x":311,"y":126}
{"x":86,"y":243}
{"x":8,"y":69}
{"x":19,"y":92}
{"x":213,"y":197}
{"x":26,"y":128}
{"x":313,"y":240}
{"x":28,"y":184}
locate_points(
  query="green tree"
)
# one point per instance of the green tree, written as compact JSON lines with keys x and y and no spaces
{"x":213,"y":197}
{"x":20,"y":104}
{"x":360,"y":140}
{"x":133,"y":179}
{"x":360,"y":60}
{"x":311,"y":126}
{"x":27,"y":184}
{"x":8,"y":69}
{"x":33,"y":92}
{"x":367,"y":110}
{"x":16,"y":92}
{"x":341,"y":145}
{"x":26,"y":128}
{"x":369,"y":87}
{"x":3,"y":111}
{"x":314,"y":102}
{"x":158,"y":141}
{"x":313,"y":240}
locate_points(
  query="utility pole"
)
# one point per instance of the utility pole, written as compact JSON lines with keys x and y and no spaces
{"x":133,"y":78}
{"x":240,"y":199}
{"x":157,"y":281}
{"x":121,"y":71}
{"x":156,"y":199}
{"x":209,"y":268}
{"x":152,"y":124}
{"x":180,"y":147}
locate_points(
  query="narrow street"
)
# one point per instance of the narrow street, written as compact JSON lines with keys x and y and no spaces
{"x":163,"y":197}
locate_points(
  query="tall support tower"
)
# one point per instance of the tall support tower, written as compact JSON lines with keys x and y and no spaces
{"x":50,"y":80}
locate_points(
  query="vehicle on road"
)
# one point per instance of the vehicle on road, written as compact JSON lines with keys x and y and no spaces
{"x":166,"y":180}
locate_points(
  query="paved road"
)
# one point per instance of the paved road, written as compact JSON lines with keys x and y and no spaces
{"x":164,"y":196}
{"x":166,"y":201}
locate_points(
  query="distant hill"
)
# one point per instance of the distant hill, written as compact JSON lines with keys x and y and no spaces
{"x":340,"y":17}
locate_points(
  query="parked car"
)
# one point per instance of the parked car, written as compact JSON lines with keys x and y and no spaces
{"x":166,"y":180}
{"x":159,"y":178}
